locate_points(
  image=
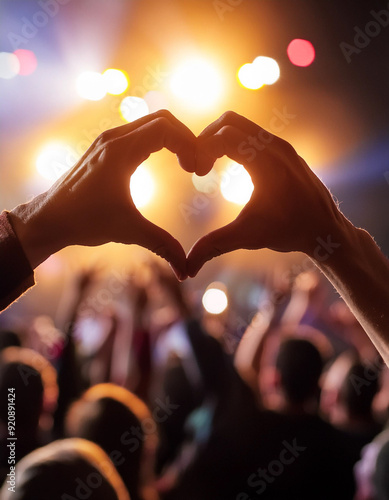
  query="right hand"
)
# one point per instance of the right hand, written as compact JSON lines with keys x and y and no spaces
{"x":290,"y":208}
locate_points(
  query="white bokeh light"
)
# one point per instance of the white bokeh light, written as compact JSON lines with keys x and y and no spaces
{"x":9,"y":65}
{"x":215,"y":299}
{"x":91,"y":86}
{"x":55,"y":159}
{"x":250,"y":77}
{"x":115,"y":81}
{"x":197,"y":83}
{"x":132,"y":108}
{"x":267,"y":68}
{"x":236,"y":185}
{"x":142,"y":186}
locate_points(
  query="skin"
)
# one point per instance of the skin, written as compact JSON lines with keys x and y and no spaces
{"x":289,"y":210}
{"x":92,"y":205}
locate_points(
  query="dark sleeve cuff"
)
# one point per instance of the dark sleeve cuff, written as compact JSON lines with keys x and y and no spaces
{"x":16,"y":274}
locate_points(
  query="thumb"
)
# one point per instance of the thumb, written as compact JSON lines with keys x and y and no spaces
{"x":222,"y":240}
{"x":162,"y":243}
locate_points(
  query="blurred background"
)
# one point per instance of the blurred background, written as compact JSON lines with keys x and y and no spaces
{"x":312,"y":72}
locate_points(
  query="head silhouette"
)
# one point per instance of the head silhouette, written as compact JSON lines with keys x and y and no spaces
{"x":66,"y":469}
{"x":122,"y":425}
{"x":299,"y":364}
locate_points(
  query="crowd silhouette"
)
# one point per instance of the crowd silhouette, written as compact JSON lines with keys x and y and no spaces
{"x":145,"y":398}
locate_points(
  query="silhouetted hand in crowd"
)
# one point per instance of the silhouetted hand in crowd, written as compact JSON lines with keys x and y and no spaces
{"x":291,"y":210}
{"x":91,"y":204}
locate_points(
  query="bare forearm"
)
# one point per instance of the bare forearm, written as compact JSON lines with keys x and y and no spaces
{"x":360,"y":273}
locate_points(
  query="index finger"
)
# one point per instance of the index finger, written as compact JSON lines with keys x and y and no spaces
{"x":245,"y":137}
{"x":158,"y":133}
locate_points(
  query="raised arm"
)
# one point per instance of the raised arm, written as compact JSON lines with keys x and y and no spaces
{"x":291,"y":210}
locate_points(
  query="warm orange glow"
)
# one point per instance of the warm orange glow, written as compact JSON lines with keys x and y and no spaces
{"x":197,"y":83}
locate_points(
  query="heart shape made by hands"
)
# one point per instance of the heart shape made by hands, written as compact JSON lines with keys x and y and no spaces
{"x":90,"y":205}
{"x":289,"y":210}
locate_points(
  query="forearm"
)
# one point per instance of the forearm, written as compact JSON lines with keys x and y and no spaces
{"x":249,"y":352}
{"x":38,"y":238}
{"x":16,"y":274}
{"x":360,"y":273}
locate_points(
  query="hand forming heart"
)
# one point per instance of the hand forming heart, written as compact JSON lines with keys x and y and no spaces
{"x":91,"y":204}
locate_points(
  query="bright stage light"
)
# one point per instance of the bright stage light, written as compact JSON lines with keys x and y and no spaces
{"x":215,"y":299}
{"x":267,"y":68}
{"x":27,"y":60}
{"x":236,"y":185}
{"x":54,"y":160}
{"x":197,"y":83}
{"x":9,"y":65}
{"x":116,"y":81}
{"x":301,"y":52}
{"x":131,"y":108}
{"x":250,"y":77}
{"x":91,"y":85}
{"x":142,"y":186}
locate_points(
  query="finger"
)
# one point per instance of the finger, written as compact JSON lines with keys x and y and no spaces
{"x":228,"y":141}
{"x":229,"y":118}
{"x":162,"y":243}
{"x":129,"y":127}
{"x":223,"y":240}
{"x":205,"y":161}
{"x":242,"y":141}
{"x":161,"y":132}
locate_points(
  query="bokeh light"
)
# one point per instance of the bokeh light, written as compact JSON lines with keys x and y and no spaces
{"x":236,"y":185}
{"x":116,"y":81}
{"x":197,"y":83}
{"x":55,"y":159}
{"x":9,"y":65}
{"x":215,"y":299}
{"x":262,"y":71}
{"x":91,"y":86}
{"x":301,"y":52}
{"x":142,"y":186}
{"x":267,"y":68}
{"x":27,"y":60}
{"x":131,"y":108}
{"x":250,"y":77}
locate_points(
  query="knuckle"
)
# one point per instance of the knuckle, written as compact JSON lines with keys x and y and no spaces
{"x":163,"y":113}
{"x":228,"y":131}
{"x":229,"y":117}
{"x":103,"y":138}
{"x":161,"y":123}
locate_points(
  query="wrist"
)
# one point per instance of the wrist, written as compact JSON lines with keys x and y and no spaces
{"x":32,"y":234}
{"x":335,"y":243}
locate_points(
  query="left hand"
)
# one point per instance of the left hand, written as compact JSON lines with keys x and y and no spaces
{"x":91,"y":204}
